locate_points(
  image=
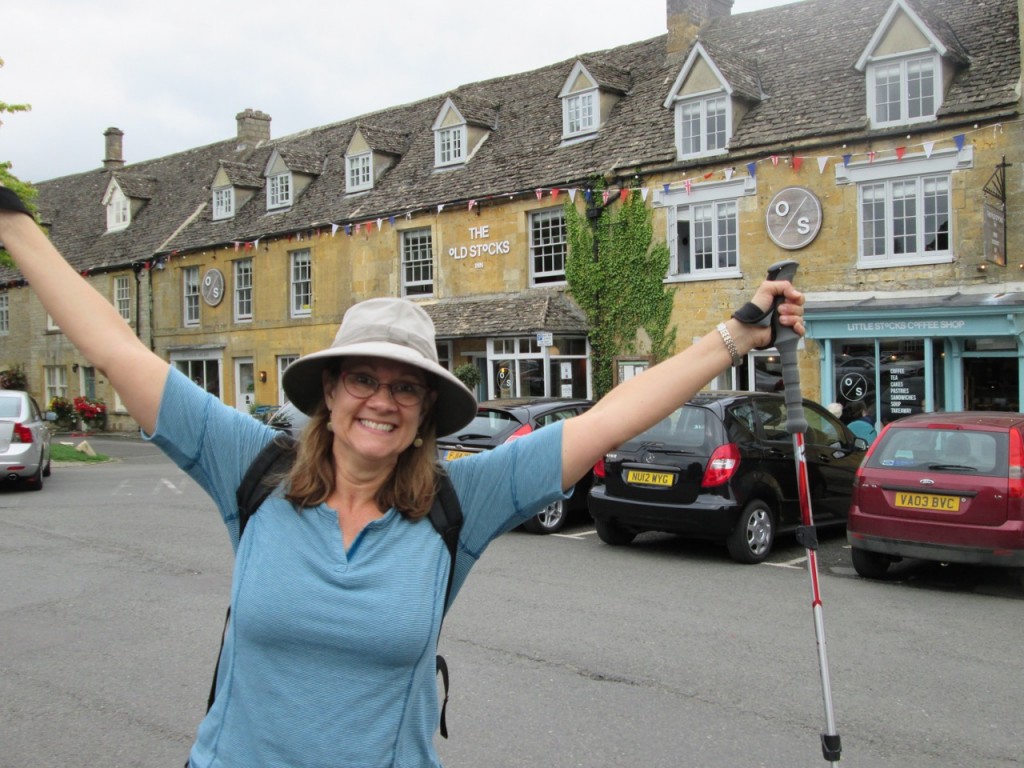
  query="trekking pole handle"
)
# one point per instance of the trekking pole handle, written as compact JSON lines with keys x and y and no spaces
{"x":786,"y":340}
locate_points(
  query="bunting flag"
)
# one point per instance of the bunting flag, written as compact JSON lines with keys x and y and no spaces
{"x":708,"y":175}
{"x":334,"y":229}
{"x":604,"y":196}
{"x":623,"y":195}
{"x":689,"y":185}
{"x":471,"y":204}
{"x":256,"y":244}
{"x":440,"y":207}
{"x":797,"y":162}
{"x":540,"y":193}
{"x":391,"y":220}
{"x":665,"y":188}
{"x":822,"y":162}
{"x":237,"y":244}
{"x":775,"y":160}
{"x":587,"y":195}
{"x":554,"y":193}
{"x":752,"y":169}
{"x":643,"y":193}
{"x":572,"y":195}
{"x":959,"y":139}
{"x":728,"y":173}
{"x":846,"y":160}
{"x":900,"y":152}
{"x":871,"y":156}
{"x":929,"y":147}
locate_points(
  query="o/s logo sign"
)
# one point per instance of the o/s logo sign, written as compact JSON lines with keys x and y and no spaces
{"x":794,"y":218}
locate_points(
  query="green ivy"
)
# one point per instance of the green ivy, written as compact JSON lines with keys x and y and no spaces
{"x":619,"y":283}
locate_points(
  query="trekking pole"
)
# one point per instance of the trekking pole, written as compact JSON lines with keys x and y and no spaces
{"x":786,"y":340}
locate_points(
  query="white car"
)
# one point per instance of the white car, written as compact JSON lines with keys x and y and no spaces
{"x":24,"y":439}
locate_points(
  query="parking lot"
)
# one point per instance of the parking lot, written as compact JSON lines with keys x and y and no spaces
{"x":564,"y":651}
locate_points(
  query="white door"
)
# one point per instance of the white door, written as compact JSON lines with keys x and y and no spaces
{"x":245,"y":384}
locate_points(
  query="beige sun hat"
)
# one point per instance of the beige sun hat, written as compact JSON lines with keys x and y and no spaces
{"x":393,"y":329}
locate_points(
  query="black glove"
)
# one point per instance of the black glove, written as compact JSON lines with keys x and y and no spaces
{"x":11,"y":202}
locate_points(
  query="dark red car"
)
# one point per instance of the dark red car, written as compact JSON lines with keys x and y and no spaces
{"x":946,"y":487}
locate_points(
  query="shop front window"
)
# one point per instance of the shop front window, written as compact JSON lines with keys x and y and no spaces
{"x":889,"y":378}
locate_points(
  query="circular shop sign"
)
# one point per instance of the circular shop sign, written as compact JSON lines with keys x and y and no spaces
{"x":212,"y":287}
{"x":794,"y":218}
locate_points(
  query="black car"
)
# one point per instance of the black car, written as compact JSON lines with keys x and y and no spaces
{"x":500,"y":421}
{"x":722,"y":468}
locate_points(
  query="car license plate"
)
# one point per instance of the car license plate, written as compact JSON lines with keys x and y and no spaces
{"x":930,"y":501}
{"x":452,"y":455}
{"x":638,"y":477}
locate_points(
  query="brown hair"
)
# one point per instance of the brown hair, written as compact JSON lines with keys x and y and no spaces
{"x":410,"y":488}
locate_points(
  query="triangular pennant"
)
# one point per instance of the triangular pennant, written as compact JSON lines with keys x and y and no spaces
{"x":688,"y":184}
{"x":471,"y":204}
{"x":929,"y":147}
{"x":871,"y":156}
{"x":554,"y":193}
{"x":380,"y":223}
{"x":236,"y":244}
{"x":440,"y":207}
{"x":623,"y":195}
{"x":587,"y":195}
{"x":900,"y":152}
{"x":391,"y":220}
{"x":643,"y":193}
{"x":604,"y":196}
{"x":664,"y":188}
{"x":540,"y":193}
{"x":797,"y":162}
{"x":708,"y":175}
{"x":752,"y":169}
{"x":959,"y":139}
{"x":334,"y":229}
{"x":348,"y":229}
{"x":775,"y":160}
{"x":257,"y":243}
{"x":846,"y":159}
{"x":728,"y":173}
{"x":822,"y":162}
{"x":572,"y":195}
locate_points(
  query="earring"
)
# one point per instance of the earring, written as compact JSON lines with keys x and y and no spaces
{"x":418,"y":442}
{"x":330,"y":427}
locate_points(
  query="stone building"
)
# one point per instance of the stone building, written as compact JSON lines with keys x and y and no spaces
{"x":877,"y":143}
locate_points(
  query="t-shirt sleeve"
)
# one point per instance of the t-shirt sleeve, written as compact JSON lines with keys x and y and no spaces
{"x":212,"y":442}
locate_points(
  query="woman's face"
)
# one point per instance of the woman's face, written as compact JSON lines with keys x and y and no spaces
{"x":376,"y":427}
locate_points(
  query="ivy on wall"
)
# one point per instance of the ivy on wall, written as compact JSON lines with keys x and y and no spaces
{"x":617,"y":279}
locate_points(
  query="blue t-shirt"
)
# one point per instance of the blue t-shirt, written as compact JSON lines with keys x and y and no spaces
{"x":328,"y":660}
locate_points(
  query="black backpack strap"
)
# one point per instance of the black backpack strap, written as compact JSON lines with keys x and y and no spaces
{"x":446,"y":517}
{"x":259,"y":481}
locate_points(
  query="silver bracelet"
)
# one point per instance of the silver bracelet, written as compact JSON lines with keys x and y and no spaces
{"x":730,"y":345}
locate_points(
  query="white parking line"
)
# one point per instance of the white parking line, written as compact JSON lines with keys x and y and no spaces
{"x":577,"y":536}
{"x":795,"y":563}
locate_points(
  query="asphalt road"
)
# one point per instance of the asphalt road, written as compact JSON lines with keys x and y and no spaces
{"x":564,"y":651}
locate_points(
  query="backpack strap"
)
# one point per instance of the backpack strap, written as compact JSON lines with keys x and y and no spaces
{"x":446,"y":517}
{"x":259,"y":481}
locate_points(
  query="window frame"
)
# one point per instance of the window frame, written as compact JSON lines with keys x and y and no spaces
{"x":190,"y":312}
{"x":583,"y":106}
{"x":119,"y":211}
{"x":223,"y":202}
{"x":902,"y":193}
{"x":420,"y":286}
{"x":903,"y":62}
{"x":553,"y":249}
{"x":359,"y":172}
{"x":123,"y":297}
{"x":448,"y":153}
{"x":242,"y":280}
{"x":702,"y":102}
{"x":55,"y":381}
{"x":300,"y":283}
{"x":279,"y":190}
{"x":5,"y":313}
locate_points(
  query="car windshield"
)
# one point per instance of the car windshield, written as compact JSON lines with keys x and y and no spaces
{"x":686,"y":427}
{"x":942,"y":450}
{"x":10,"y":407}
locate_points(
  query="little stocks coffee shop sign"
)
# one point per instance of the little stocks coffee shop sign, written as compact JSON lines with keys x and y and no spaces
{"x":481,"y":244}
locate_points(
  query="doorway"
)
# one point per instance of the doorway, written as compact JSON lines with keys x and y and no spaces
{"x":991,"y":384}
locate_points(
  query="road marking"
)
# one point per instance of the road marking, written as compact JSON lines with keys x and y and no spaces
{"x":795,"y":563}
{"x":577,"y":536}
{"x":170,"y":485}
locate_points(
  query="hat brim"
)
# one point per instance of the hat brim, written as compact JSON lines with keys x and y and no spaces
{"x":454,"y":408}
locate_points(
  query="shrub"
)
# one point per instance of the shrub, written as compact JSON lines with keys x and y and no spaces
{"x":468,"y":374}
{"x":89,"y":409}
{"x":14,"y":378}
{"x":63,"y":407}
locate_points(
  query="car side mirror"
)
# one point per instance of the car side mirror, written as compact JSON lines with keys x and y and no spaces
{"x":50,"y":416}
{"x":860,"y":443}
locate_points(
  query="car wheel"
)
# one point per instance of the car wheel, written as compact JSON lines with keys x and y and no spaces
{"x":35,"y":483}
{"x":47,"y":469}
{"x":870,"y":565}
{"x":752,"y":538}
{"x":550,"y":520}
{"x":611,"y":533}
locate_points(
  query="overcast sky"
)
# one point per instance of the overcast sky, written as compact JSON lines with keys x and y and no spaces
{"x":173,"y":75}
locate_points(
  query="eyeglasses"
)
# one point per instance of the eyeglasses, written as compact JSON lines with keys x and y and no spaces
{"x":363,"y":386}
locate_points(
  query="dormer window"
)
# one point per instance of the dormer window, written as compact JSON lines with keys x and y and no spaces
{"x":449,"y":145}
{"x":359,"y":171}
{"x":580,"y":113}
{"x":701,"y":125}
{"x":279,"y":190}
{"x":905,"y":66}
{"x":903,"y":91}
{"x":119,"y":210}
{"x":707,"y":105}
{"x":223,"y":202}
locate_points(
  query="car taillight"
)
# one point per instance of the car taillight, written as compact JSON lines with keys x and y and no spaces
{"x":721,"y":466}
{"x":22,"y":434}
{"x":523,"y":431}
{"x":1016,"y":474}
{"x":599,"y":470}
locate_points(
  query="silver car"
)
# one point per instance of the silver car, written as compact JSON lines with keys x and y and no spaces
{"x":24,"y":439}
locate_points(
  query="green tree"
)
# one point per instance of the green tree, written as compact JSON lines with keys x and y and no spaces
{"x":24,"y":190}
{"x":617,"y":278}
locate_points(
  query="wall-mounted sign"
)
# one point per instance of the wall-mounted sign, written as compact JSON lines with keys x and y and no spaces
{"x":212,"y":287}
{"x":477,"y":249}
{"x":794,"y":218}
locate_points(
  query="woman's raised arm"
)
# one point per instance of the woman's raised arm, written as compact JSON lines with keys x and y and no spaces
{"x":86,"y":317}
{"x":641,"y":402}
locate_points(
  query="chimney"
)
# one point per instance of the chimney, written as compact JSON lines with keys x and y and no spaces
{"x":687,"y":17}
{"x":253,"y":128}
{"x":114,"y":156}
